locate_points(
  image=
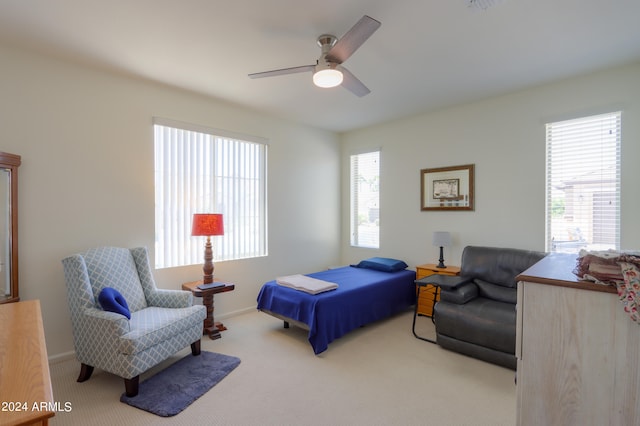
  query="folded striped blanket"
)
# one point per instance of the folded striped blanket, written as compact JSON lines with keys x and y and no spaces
{"x":619,"y":268}
{"x":307,"y":284}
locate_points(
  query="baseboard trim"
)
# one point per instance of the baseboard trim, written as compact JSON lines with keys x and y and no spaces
{"x":236,"y":313}
{"x":65,"y":356}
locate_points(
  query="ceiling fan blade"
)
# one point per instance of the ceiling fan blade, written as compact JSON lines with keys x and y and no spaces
{"x":351,"y":83}
{"x":353,"y":39}
{"x":283,"y":71}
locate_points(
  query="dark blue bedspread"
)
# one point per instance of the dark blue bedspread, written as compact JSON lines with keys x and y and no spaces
{"x":363,"y":296}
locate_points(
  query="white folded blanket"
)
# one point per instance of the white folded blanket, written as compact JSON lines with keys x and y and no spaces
{"x":307,"y":284}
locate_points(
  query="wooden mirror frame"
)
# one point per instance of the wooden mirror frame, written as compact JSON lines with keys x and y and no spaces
{"x":11,"y":162}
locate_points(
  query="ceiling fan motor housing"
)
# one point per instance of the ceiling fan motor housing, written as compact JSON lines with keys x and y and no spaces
{"x":326,"y":42}
{"x":327,"y":74}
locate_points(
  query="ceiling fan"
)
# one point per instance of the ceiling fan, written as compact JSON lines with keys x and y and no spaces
{"x":328,"y":71}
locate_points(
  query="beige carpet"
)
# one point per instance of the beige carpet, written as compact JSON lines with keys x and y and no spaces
{"x":377,"y":375}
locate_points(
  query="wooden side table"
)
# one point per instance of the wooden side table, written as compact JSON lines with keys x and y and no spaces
{"x":430,"y":295}
{"x":210,"y":327}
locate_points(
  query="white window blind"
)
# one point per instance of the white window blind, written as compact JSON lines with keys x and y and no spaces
{"x":200,"y":170}
{"x":365,"y":200}
{"x":583,"y":183}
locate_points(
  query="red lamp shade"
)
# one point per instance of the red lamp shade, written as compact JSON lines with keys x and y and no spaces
{"x":207,"y":224}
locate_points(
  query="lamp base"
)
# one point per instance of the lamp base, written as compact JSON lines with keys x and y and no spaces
{"x":441,"y":260}
{"x":208,"y":263}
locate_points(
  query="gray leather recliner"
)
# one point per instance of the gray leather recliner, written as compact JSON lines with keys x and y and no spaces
{"x":476,"y":315}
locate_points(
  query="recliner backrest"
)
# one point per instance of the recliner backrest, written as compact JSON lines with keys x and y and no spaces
{"x":495,"y":265}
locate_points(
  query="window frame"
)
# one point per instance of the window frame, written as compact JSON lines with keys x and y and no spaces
{"x":355,"y":218}
{"x":188,"y":176}
{"x":590,"y":163}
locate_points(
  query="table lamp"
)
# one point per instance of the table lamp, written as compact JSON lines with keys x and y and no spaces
{"x":441,"y":239}
{"x":207,"y":224}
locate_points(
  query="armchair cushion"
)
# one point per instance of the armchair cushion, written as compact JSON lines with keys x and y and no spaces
{"x":112,"y":301}
{"x":153,"y":326}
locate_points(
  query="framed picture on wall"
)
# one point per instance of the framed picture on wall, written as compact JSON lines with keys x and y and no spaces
{"x":447,"y":188}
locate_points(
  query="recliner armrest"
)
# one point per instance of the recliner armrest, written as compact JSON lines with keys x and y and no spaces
{"x":445,"y":282}
{"x":460,"y":294}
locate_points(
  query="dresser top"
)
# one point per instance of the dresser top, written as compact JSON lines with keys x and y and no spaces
{"x":557,"y":269}
{"x":24,"y":366}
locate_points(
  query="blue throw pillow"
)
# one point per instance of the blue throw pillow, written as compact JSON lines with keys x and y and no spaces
{"x":111,"y":300}
{"x":384,"y":264}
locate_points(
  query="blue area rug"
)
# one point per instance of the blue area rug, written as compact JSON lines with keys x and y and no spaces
{"x":177,"y":386}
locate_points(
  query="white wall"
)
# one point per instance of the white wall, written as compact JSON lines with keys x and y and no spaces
{"x":504,"y":137}
{"x":85,"y":138}
{"x":86,"y":179}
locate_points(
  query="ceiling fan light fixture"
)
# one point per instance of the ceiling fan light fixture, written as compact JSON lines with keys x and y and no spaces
{"x":328,"y":77}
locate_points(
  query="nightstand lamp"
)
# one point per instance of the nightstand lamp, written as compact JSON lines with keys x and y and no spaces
{"x":441,"y":239}
{"x":208,"y":225}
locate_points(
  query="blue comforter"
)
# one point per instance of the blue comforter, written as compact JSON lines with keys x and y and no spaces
{"x":363,"y":296}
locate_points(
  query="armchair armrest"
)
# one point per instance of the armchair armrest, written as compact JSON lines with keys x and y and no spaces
{"x":445,"y":282}
{"x":97,"y":338}
{"x":461,"y":294}
{"x":453,"y":289}
{"x":170,"y":298}
{"x":108,"y":323}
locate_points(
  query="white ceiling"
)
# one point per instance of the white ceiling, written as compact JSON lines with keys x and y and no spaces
{"x":427,"y":54}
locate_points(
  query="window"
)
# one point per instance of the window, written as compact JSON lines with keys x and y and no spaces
{"x":365,"y":199}
{"x":201,"y":170}
{"x":583,"y":183}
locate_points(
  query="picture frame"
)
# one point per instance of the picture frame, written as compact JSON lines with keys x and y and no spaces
{"x":447,"y":188}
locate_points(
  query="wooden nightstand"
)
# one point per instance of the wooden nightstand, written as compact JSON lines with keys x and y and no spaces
{"x":429,"y":295}
{"x":210,"y":327}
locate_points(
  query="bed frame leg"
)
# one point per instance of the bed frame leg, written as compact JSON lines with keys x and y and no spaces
{"x":286,"y":324}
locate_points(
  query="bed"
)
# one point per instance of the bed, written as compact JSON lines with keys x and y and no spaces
{"x":364,"y":295}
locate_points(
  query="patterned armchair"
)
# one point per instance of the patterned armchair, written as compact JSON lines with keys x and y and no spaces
{"x":162,"y":321}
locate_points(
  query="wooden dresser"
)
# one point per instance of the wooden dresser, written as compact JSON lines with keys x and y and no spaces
{"x":25,"y":383}
{"x":578,"y":351}
{"x":426,"y":300}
